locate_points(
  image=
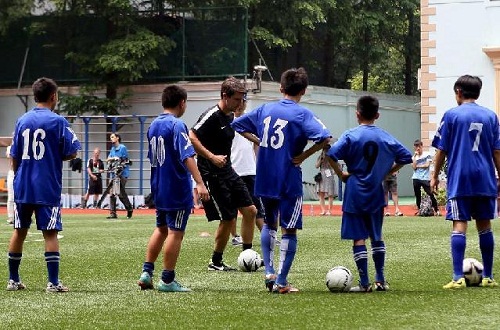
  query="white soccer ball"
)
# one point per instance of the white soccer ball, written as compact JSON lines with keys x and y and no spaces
{"x":339,"y":279}
{"x":473,"y":271}
{"x":249,"y":260}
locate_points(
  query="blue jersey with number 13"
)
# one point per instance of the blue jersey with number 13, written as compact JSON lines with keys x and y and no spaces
{"x":284,"y":128}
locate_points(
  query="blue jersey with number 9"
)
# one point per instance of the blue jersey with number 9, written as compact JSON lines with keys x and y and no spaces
{"x":42,"y":139}
{"x":369,"y":153}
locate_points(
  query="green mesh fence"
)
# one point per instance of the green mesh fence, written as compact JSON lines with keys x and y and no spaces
{"x":210,"y":43}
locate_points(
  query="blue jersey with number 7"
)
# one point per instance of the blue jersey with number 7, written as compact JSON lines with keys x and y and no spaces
{"x":284,"y":129}
{"x":369,"y":153}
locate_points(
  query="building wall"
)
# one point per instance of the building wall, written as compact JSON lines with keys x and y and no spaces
{"x":457,"y":37}
{"x":400,"y":115}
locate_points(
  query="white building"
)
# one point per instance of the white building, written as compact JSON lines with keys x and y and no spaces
{"x":457,"y":37}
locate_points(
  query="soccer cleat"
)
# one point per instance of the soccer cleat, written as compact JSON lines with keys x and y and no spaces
{"x":237,"y":241}
{"x":269,"y":281}
{"x":488,"y":282}
{"x":173,"y":286}
{"x":381,"y":286}
{"x":15,"y":286}
{"x":56,"y":288}
{"x":145,"y":281}
{"x":361,"y":289}
{"x":282,"y":289}
{"x":112,"y":216}
{"x":222,"y":267}
{"x":129,"y":214}
{"x":458,"y":284}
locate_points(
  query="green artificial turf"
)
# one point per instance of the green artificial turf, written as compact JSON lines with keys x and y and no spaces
{"x":101,"y":261}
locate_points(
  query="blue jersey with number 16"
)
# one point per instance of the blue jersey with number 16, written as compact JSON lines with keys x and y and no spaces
{"x":284,"y":128}
{"x":42,"y":139}
{"x":369,"y":153}
{"x":169,"y":147}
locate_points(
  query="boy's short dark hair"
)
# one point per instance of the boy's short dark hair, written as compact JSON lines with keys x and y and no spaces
{"x":470,"y":86}
{"x":230,"y":86}
{"x":368,"y":107}
{"x":172,"y":95}
{"x":293,"y":81}
{"x":418,"y":143}
{"x":43,"y":89}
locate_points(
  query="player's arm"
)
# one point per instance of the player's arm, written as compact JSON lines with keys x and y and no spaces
{"x":72,"y":156}
{"x":297,"y":160}
{"x":252,"y":138}
{"x":200,"y":186}
{"x":217,"y":160}
{"x":337,"y":168}
{"x":438,"y":164}
{"x":395,"y":168}
{"x":496,"y":159}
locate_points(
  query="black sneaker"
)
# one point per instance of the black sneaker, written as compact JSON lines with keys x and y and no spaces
{"x":222,"y":267}
{"x":129,"y":214}
{"x":111,"y":216}
{"x":381,"y":286}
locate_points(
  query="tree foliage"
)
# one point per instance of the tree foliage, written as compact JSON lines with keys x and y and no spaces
{"x":361,"y":44}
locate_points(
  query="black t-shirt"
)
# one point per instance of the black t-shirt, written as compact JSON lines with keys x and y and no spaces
{"x":215,"y":133}
{"x":95,"y":166}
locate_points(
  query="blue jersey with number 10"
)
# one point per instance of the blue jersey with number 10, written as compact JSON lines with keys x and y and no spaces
{"x":469,"y":135}
{"x":169,"y":147}
{"x":369,"y":153}
{"x":284,"y":128}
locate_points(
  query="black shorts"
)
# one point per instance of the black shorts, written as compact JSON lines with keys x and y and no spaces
{"x":228,"y":193}
{"x":95,"y":187}
{"x":250,"y":183}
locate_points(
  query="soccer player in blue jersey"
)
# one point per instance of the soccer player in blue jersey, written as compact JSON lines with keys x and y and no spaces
{"x":171,"y":155}
{"x":119,"y":152}
{"x":212,"y":137}
{"x":370,"y":154}
{"x":468,"y":137}
{"x":282,"y":130}
{"x":42,"y":141}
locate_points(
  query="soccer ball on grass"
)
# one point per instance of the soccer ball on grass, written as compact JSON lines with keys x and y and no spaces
{"x":473,"y":271}
{"x":249,"y":260}
{"x":339,"y":279}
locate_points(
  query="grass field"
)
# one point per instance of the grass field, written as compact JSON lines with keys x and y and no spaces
{"x":102,"y":259}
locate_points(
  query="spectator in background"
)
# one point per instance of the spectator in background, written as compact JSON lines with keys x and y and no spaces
{"x":95,"y":167}
{"x":391,"y":186}
{"x":326,"y":187}
{"x":421,"y":163}
{"x":119,"y":152}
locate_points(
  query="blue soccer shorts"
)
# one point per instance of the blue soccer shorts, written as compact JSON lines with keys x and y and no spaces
{"x":362,"y":226}
{"x":467,"y":208}
{"x":288,"y":209}
{"x":47,"y":217}
{"x":174,"y":220}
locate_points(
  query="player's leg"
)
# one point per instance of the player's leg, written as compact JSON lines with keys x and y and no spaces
{"x":354,"y":227}
{"x":247,"y":225}
{"x":155,"y":245}
{"x":22,"y":222}
{"x":236,"y":239}
{"x":290,"y":221}
{"x":242,"y":199}
{"x":268,"y":239}
{"x":48,"y":220}
{"x":172,"y":250}
{"x":378,"y":249}
{"x":458,"y":211}
{"x":221,"y":237}
{"x":485,"y":208}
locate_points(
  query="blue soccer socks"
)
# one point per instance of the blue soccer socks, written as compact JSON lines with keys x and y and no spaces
{"x":458,"y":244}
